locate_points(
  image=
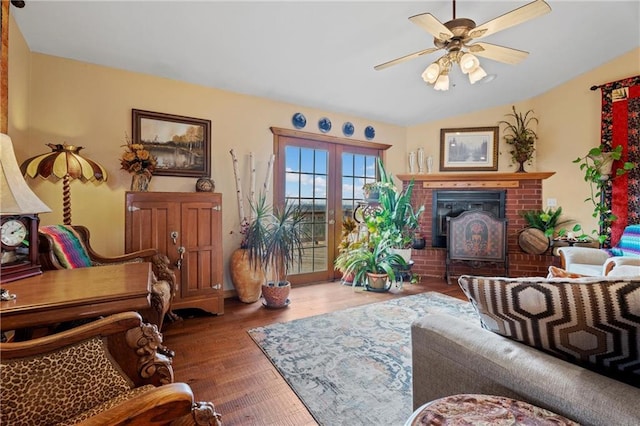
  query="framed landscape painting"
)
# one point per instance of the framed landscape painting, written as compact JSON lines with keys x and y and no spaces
{"x":469,"y":149}
{"x":181,"y":145}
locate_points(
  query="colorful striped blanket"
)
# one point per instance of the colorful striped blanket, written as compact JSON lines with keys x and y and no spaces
{"x":67,"y":246}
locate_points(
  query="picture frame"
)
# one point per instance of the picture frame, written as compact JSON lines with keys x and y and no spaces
{"x":181,"y":145}
{"x":469,"y":149}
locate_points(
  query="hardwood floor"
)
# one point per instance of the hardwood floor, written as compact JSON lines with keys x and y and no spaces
{"x":222,"y":364}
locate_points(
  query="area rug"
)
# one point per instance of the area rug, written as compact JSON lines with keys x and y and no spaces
{"x":353,"y":367}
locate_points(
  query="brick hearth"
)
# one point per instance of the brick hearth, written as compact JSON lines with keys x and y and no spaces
{"x":524,"y":192}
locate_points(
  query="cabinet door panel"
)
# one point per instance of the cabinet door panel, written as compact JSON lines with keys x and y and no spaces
{"x":153,"y":219}
{"x":150,"y":224}
{"x":202,"y":272}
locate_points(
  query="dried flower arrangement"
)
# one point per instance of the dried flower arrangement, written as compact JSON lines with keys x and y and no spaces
{"x":137,"y":160}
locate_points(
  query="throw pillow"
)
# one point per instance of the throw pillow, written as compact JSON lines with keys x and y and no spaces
{"x":561,"y":273}
{"x":67,"y":246}
{"x":594,"y":322}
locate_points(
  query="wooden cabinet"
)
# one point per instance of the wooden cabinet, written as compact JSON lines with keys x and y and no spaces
{"x":187,"y":227}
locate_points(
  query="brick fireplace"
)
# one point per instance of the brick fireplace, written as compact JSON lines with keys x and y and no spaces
{"x":523,"y":192}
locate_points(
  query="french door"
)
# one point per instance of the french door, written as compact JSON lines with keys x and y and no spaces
{"x":323,"y":176}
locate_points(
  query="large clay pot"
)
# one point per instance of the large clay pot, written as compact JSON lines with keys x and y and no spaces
{"x":276,"y":295}
{"x":247,"y":280}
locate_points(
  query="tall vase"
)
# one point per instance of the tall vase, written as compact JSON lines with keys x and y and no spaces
{"x":420,"y":160}
{"x":140,"y":182}
{"x":247,"y":280}
{"x":412,"y":162}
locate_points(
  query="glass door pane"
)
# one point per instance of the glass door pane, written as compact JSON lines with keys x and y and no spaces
{"x":306,"y":177}
{"x":325,"y":179}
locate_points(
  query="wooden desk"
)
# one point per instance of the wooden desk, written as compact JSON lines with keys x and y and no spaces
{"x":71,"y":294}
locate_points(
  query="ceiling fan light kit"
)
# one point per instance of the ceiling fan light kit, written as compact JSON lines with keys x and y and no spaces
{"x":454,"y":36}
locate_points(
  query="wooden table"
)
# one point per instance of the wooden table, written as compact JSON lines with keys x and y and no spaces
{"x":71,"y":294}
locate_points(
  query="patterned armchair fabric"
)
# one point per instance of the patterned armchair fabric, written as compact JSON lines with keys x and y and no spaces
{"x":476,"y":237}
{"x":105,"y":372}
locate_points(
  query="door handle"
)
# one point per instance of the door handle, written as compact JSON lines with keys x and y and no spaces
{"x":181,"y":251}
{"x":174,"y":237}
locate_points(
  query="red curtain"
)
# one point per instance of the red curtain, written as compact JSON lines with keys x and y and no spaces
{"x":621,"y":126}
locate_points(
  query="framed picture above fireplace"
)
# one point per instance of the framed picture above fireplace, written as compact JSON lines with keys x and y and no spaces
{"x":469,"y":149}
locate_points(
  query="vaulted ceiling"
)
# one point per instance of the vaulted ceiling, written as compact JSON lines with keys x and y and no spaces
{"x":321,"y":54}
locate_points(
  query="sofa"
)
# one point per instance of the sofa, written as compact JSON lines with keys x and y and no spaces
{"x":453,"y":356}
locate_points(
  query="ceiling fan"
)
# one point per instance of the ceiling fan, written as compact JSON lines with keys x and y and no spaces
{"x":454,"y":36}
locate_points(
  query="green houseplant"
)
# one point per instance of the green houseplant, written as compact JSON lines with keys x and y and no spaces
{"x":274,"y":241}
{"x":548,"y":222}
{"x":348,"y":241}
{"x":597,"y":168}
{"x":396,"y":216}
{"x":521,"y":137}
{"x":373,"y":261}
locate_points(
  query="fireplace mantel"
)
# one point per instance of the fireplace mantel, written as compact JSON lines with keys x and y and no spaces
{"x":473,"y":180}
{"x":476,"y":176}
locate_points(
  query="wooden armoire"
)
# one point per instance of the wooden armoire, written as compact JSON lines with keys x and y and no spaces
{"x":187,"y":227}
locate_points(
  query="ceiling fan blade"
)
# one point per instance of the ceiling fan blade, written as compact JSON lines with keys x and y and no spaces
{"x":498,"y":53}
{"x":509,"y":19}
{"x":405,"y":58}
{"x":430,"y":24}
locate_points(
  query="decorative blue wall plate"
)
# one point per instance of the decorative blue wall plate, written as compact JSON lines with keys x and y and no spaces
{"x":298,"y":120}
{"x":369,"y":132}
{"x":324,"y":124}
{"x":348,"y":129}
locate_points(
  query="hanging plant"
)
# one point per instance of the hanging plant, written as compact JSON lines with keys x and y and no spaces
{"x":596,"y":166}
{"x":522,"y":138}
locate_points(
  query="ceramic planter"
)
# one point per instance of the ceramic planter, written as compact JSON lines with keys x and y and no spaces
{"x":276,"y":295}
{"x":378,"y":282}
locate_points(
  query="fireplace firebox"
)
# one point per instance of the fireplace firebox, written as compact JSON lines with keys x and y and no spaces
{"x":453,"y":203}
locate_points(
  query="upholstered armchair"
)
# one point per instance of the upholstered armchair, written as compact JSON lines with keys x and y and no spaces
{"x":107,"y":372}
{"x":69,"y":246}
{"x":623,"y":259}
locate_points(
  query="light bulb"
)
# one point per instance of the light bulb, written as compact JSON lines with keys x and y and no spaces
{"x":477,"y":75}
{"x":442,"y":83}
{"x":431,"y":73}
{"x":469,"y":63}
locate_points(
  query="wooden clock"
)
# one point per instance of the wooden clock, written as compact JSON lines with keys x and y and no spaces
{"x":19,"y":243}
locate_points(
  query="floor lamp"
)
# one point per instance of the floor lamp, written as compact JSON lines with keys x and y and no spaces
{"x":66,"y":163}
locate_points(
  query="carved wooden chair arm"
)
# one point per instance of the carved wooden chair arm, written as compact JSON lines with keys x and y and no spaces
{"x":103,"y":327}
{"x":171,"y":404}
{"x":159,"y":406}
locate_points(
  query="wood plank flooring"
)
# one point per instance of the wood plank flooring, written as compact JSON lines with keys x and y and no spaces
{"x":222,"y":364}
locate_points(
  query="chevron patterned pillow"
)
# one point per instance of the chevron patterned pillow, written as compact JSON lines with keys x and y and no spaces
{"x":593,"y":322}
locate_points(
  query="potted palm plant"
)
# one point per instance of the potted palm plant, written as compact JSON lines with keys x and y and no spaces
{"x":522,"y":137}
{"x":274,"y":243}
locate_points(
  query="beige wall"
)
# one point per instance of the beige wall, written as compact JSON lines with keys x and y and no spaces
{"x":90,"y":106}
{"x":569,"y":125}
{"x":59,"y":100}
